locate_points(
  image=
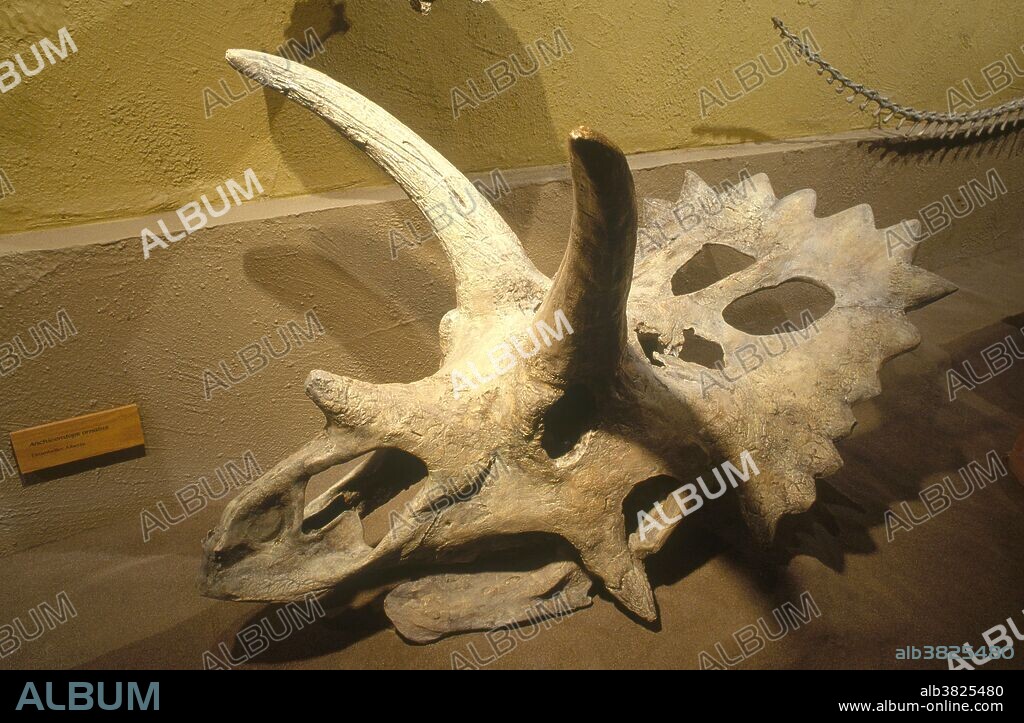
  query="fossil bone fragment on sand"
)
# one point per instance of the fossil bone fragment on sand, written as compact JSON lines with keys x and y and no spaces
{"x":423,"y":6}
{"x":557,"y":442}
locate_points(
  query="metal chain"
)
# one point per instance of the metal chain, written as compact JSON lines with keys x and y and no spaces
{"x":940,"y":125}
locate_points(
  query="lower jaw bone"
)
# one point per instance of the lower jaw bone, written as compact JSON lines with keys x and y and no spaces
{"x":429,"y":608}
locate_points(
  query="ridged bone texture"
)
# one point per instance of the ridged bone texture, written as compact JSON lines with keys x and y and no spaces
{"x":528,"y":467}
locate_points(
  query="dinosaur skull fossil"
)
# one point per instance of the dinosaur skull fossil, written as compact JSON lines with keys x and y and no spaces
{"x":560,"y":437}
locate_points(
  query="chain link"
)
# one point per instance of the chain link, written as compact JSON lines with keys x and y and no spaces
{"x":940,"y":125}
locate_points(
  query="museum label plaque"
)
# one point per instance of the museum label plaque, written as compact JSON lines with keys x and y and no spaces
{"x":71,"y":440}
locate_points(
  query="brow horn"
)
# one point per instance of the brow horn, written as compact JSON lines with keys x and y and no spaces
{"x":490,"y":265}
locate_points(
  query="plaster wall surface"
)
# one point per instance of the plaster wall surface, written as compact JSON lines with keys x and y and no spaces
{"x":146,"y":115}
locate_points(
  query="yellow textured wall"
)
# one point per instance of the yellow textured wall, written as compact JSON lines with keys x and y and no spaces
{"x":119,"y":128}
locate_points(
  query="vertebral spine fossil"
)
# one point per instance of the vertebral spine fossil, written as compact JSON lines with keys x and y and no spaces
{"x":557,"y":442}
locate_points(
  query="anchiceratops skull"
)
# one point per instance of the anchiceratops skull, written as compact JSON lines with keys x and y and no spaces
{"x":545,"y":450}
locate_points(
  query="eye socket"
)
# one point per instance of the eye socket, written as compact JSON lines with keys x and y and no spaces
{"x":690,"y":462}
{"x":567,"y":420}
{"x":790,"y":306}
{"x":708,"y":266}
{"x":643,"y":496}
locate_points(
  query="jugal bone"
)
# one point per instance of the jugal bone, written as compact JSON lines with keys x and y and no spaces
{"x":578,"y":424}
